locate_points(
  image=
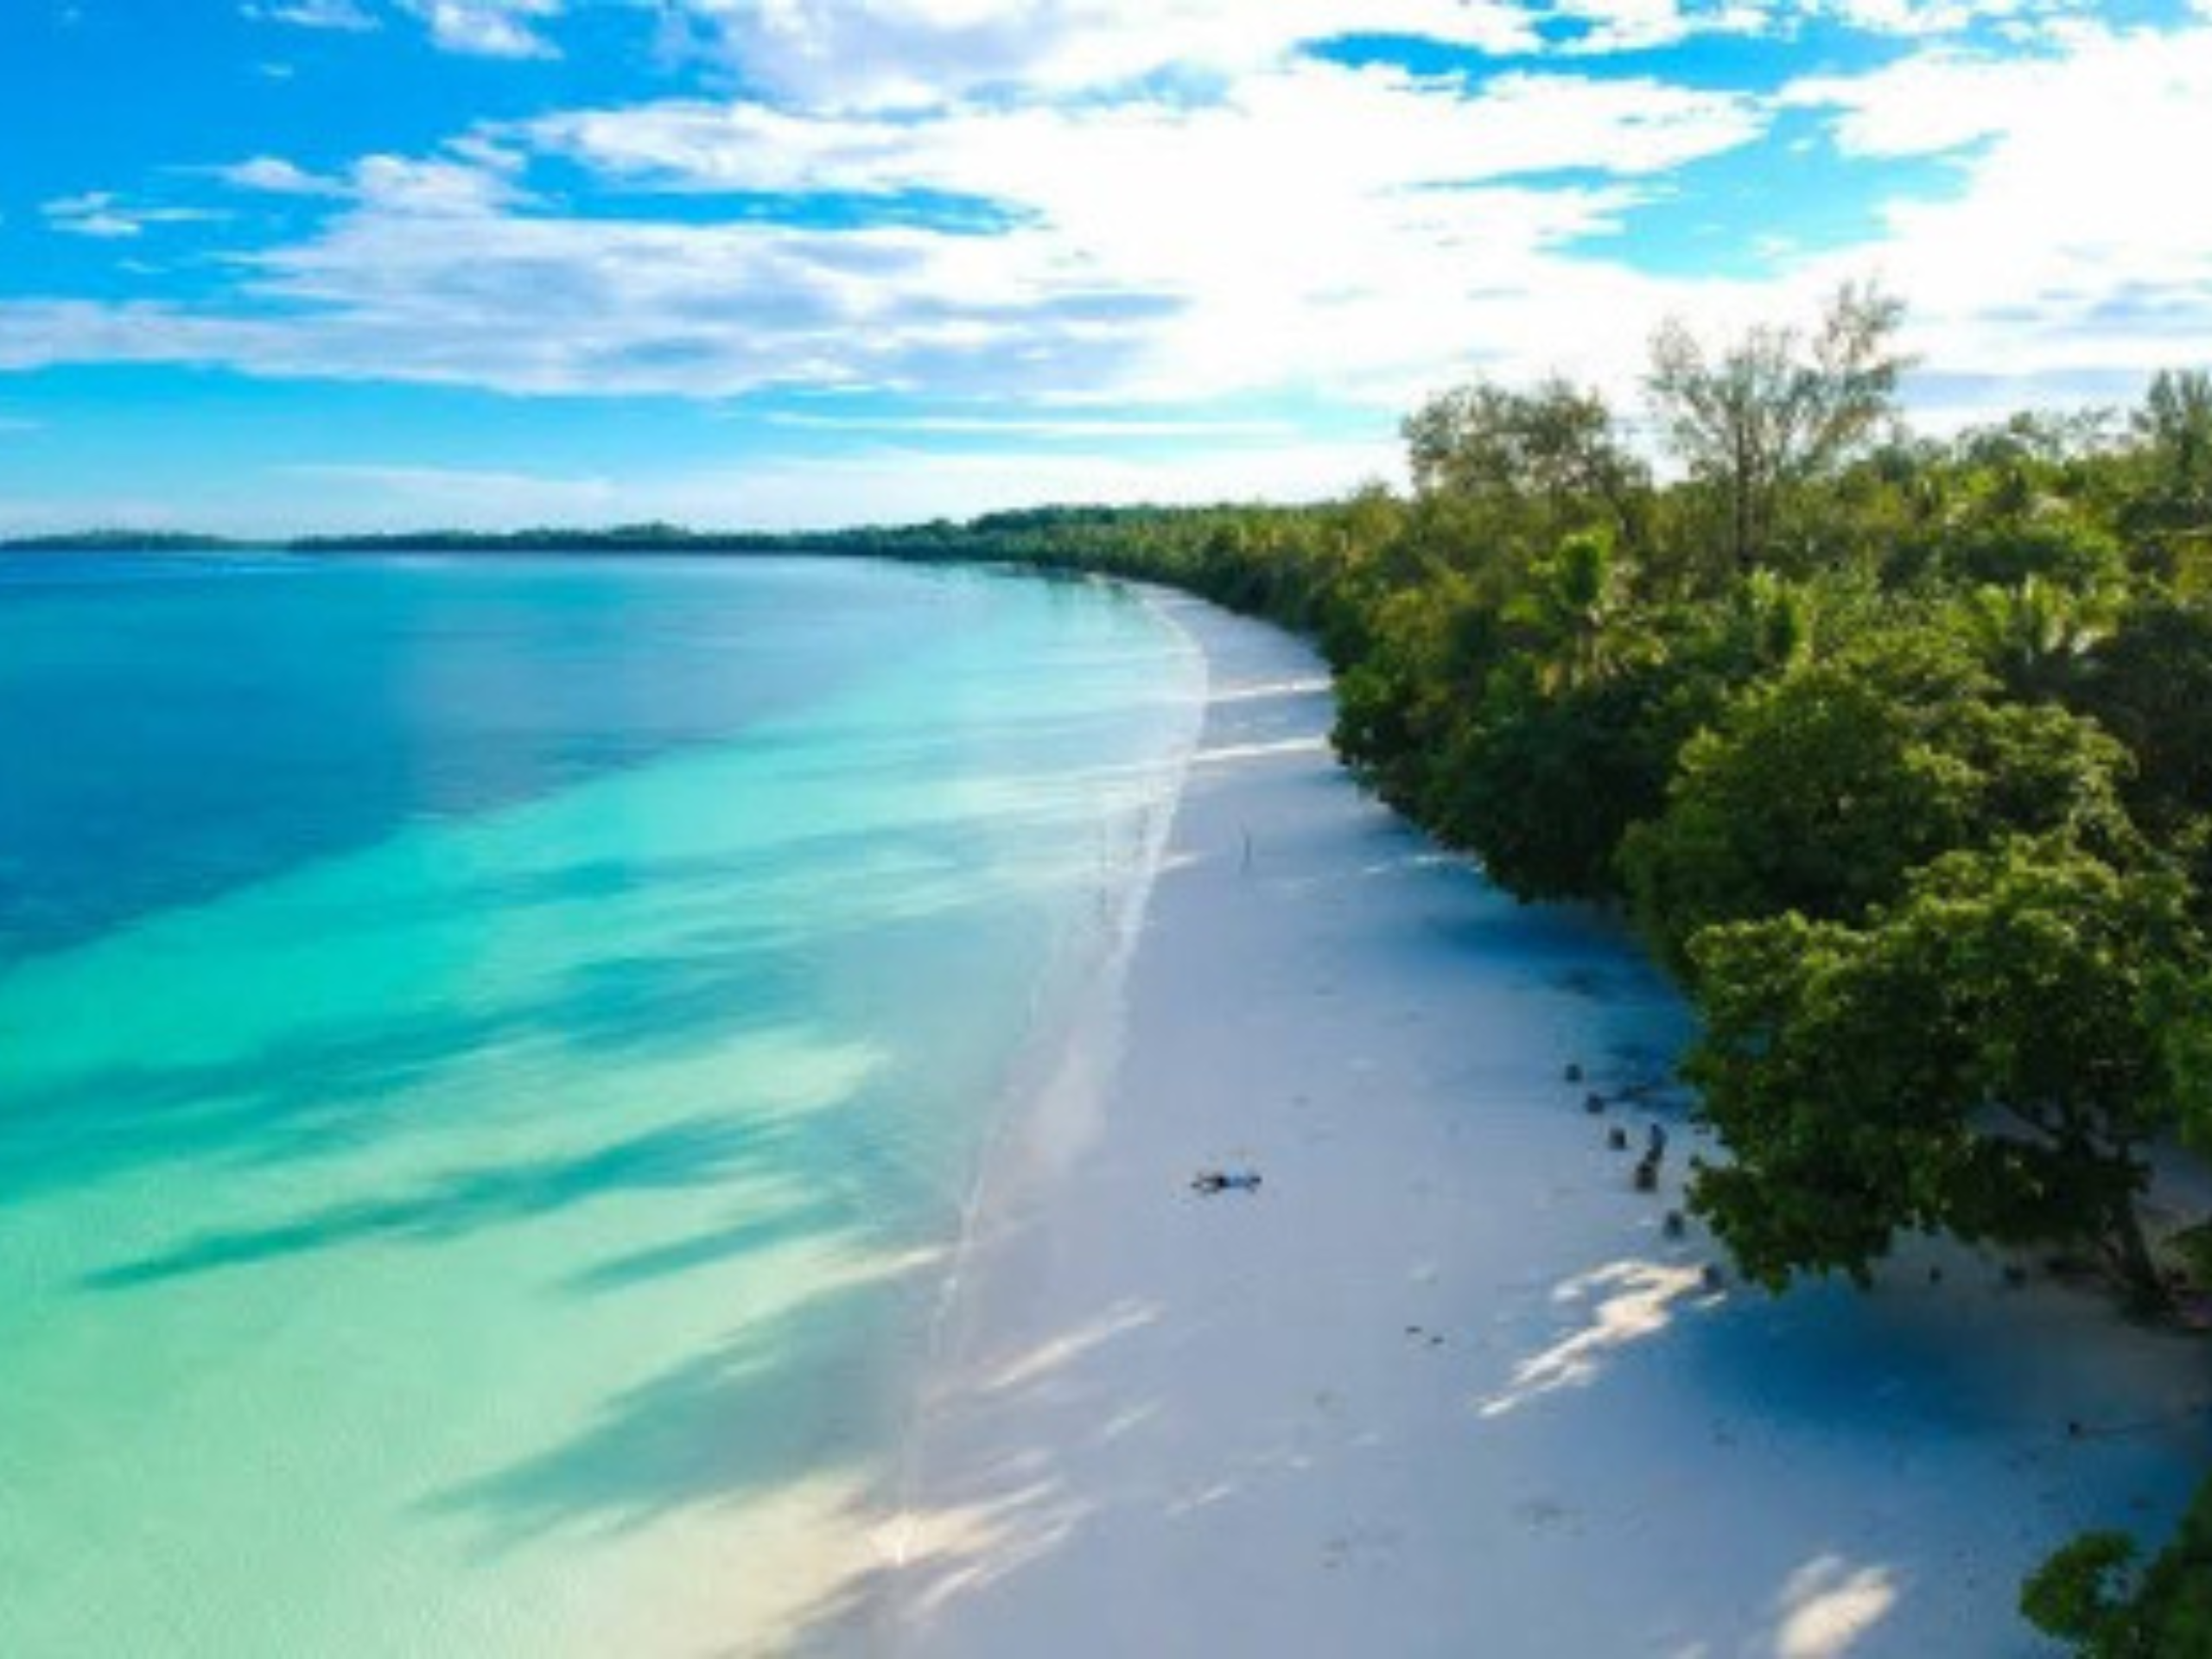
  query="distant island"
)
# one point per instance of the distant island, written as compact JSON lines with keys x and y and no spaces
{"x":1023,"y":535}
{"x":122,"y":541}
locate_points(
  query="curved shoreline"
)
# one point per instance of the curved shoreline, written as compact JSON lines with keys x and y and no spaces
{"x":1054,"y":1088}
{"x":1444,"y":1386}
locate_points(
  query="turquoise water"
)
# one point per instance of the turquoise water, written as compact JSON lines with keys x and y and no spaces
{"x":491,"y":1054}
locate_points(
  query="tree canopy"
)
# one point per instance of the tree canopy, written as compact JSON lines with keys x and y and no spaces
{"x":1774,"y":410}
{"x":1986,"y":1057}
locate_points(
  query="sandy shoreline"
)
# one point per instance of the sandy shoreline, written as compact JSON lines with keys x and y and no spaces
{"x":1443,"y":1386}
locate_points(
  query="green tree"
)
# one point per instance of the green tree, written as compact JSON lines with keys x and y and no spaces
{"x":1541,"y":785}
{"x":1573,"y":618}
{"x":2184,"y":1011}
{"x":2175,"y":429}
{"x":1429,"y":649}
{"x":1543,"y":464}
{"x":2168,"y":511}
{"x":2091,"y":1594}
{"x":1986,"y":1057}
{"x":2036,"y":636}
{"x":1757,"y":421}
{"x":1819,"y":789}
{"x":2049,"y":543}
{"x":1778,"y":619}
{"x":2150,"y":684}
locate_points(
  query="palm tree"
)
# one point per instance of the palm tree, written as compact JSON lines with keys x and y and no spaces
{"x":1578,"y":616}
{"x":2035,"y":635}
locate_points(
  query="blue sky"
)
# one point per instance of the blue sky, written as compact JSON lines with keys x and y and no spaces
{"x":269,"y":265}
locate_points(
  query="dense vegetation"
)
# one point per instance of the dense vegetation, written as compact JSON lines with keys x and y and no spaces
{"x":1897,"y":749}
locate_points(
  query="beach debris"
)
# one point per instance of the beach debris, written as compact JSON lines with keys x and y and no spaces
{"x":1654,"y":1147}
{"x":2015,"y":1276}
{"x":1935,"y":1274}
{"x":1593,"y":1103}
{"x":1207,"y":1182}
{"x":1617,"y":1139}
{"x":1647,"y":1174}
{"x":1676,"y":1225}
{"x":1712,"y":1278}
{"x":1574,"y":1071}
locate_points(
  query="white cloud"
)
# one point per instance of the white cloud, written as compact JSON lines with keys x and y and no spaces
{"x":38,"y":333}
{"x":348,"y":16}
{"x":273,"y":175}
{"x":2064,"y":250}
{"x":860,"y":54}
{"x":1600,"y":26}
{"x":1349,"y":236}
{"x":102,"y":215}
{"x":854,"y":54}
{"x":410,"y":187}
{"x":1929,"y":104}
{"x":1314,"y":224}
{"x":1315,"y":227}
{"x":491,"y":29}
{"x":846,"y":54}
{"x":539,"y":305}
{"x":495,"y":29}
{"x":1333,"y":130}
{"x":1930,"y":18}
{"x":91,"y":214}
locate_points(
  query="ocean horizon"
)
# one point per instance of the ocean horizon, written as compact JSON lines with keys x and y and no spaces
{"x":493,"y":1056}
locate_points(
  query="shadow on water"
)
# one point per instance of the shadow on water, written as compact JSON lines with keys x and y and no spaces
{"x":721,"y":1427}
{"x":699,"y":1153}
{"x":297,"y":1093}
{"x":590,"y":881}
{"x":321,"y":1086}
{"x":314,"y":1094}
{"x":325,"y":1090}
{"x":741,"y":1237}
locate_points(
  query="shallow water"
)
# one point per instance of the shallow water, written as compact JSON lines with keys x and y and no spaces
{"x":492,"y":1053}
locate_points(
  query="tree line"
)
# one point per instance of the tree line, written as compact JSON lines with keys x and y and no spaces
{"x":1897,"y":749}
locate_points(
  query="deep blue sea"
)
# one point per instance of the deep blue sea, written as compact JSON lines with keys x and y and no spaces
{"x":493,"y":1056}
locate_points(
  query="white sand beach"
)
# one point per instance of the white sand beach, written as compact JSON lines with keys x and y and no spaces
{"x":1443,"y":1386}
